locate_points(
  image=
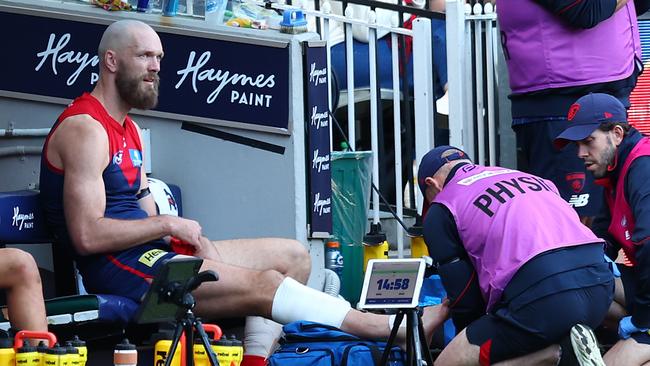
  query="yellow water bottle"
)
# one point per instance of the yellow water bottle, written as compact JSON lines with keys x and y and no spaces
{"x":81,"y":347}
{"x":200,"y":354}
{"x":27,"y":356}
{"x":41,"y":349}
{"x":72,"y":353}
{"x":161,"y":349}
{"x":237,"y":351}
{"x":221,"y":348}
{"x":7,"y":353}
{"x":53,"y":356}
{"x":418,"y":246}
{"x":64,"y":359}
{"x":375,"y":245}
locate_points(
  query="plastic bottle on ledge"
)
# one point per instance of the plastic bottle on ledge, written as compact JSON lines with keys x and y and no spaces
{"x":333,"y":257}
{"x":214,"y":10}
{"x":169,"y":8}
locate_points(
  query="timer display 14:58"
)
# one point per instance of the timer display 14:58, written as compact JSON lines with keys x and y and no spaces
{"x":397,"y":284}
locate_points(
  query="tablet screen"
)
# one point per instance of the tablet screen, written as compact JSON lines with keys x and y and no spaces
{"x":392,"y":283}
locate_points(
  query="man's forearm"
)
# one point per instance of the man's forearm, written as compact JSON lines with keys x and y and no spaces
{"x":108,"y":235}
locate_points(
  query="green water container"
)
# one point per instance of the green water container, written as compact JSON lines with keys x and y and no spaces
{"x":351,"y":179}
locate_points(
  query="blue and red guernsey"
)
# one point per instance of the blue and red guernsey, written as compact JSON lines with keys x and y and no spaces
{"x":121,"y":176}
{"x":622,"y":222}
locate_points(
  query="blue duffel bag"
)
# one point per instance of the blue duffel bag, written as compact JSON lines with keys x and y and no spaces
{"x":313,"y":344}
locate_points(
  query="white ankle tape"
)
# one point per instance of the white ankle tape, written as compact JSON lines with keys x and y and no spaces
{"x":260,"y":335}
{"x":294,"y":301}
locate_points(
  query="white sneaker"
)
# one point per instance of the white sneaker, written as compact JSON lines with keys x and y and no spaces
{"x":585,"y":346}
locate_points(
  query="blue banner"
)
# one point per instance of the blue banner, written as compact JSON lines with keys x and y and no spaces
{"x":21,"y":218}
{"x":317,"y":116}
{"x":200,"y":77}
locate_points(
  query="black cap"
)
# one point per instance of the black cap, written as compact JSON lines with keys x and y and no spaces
{"x":235,"y":341}
{"x":125,"y":346}
{"x":223,"y":341}
{"x":42,"y":347}
{"x":375,"y":236}
{"x":587,"y":114}
{"x":77,"y":342}
{"x":26,"y":349}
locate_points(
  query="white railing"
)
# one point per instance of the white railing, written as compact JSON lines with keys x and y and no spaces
{"x":472,"y":46}
{"x":422,"y":91}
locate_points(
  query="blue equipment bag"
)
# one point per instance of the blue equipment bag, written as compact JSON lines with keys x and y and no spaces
{"x":313,"y":344}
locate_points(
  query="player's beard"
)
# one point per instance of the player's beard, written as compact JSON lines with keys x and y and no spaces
{"x":134,"y":91}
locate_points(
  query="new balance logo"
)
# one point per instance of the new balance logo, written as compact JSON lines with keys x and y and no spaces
{"x":579,"y":200}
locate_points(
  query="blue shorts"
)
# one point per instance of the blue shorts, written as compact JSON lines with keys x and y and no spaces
{"x":127,"y":273}
{"x":536,"y":155}
{"x":533,"y":315}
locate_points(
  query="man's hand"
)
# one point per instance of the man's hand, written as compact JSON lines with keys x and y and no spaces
{"x":626,"y":328}
{"x":188,"y":231}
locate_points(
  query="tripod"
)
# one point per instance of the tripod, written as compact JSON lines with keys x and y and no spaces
{"x":181,"y":296}
{"x":415,"y":339}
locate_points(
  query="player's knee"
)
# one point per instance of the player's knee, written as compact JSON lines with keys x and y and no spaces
{"x":23,"y":267}
{"x":266,"y":283}
{"x":296,"y":258}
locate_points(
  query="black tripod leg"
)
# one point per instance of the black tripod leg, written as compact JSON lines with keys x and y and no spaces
{"x":172,"y":349}
{"x":425,"y":344}
{"x":391,"y":338}
{"x":206,"y":343}
{"x":188,"y":322}
{"x":417,"y":337}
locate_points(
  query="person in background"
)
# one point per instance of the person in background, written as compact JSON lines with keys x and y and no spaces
{"x":97,"y":202}
{"x":518,"y":266}
{"x":557,"y":51}
{"x":618,"y":156}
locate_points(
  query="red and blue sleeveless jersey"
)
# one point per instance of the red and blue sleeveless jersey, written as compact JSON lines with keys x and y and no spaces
{"x":622,"y":221}
{"x":121,"y":176}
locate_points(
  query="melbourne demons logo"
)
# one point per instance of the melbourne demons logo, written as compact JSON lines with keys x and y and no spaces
{"x":117,"y":157}
{"x":576,"y":181}
{"x":572,"y":111}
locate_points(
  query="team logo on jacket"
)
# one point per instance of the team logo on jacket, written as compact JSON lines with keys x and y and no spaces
{"x":576,"y":181}
{"x":117,"y":157}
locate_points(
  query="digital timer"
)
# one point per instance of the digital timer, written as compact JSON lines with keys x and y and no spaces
{"x":397,"y":284}
{"x":392,"y":283}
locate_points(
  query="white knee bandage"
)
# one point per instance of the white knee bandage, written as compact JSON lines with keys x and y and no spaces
{"x":294,"y":301}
